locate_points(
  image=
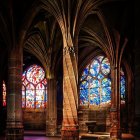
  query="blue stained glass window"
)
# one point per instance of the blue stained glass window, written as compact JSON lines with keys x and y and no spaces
{"x":95,"y":87}
{"x":105,"y":66}
{"x":94,"y":68}
{"x":85,"y":73}
{"x":34,"y":88}
{"x":123,"y":85}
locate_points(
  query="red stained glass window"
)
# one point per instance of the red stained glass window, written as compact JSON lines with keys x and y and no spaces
{"x":34,"y":88}
{"x":4,"y":94}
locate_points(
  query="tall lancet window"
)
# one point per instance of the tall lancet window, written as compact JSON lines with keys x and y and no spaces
{"x":34,"y":88}
{"x":95,"y":83}
{"x":4,"y":94}
{"x":123,"y":86}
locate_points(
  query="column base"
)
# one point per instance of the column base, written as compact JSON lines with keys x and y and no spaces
{"x":51,"y":130}
{"x":14,"y":134}
{"x":70,"y":133}
{"x":115,"y":135}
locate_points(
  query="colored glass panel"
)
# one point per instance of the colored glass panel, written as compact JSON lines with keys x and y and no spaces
{"x":94,"y":96}
{"x":84,"y":85}
{"x":4,"y":94}
{"x":40,"y":96}
{"x":30,"y":94}
{"x":106,"y":94}
{"x":94,"y":84}
{"x":95,"y":87}
{"x":100,"y":76}
{"x":105,"y":66}
{"x":44,"y":81}
{"x":35,"y":74}
{"x":122,"y":87}
{"x":85,"y":73}
{"x":84,"y":97}
{"x":106,"y":82}
{"x":23,"y":75}
{"x":40,"y":104}
{"x":23,"y":96}
{"x":94,"y":68}
{"x":34,"y":89}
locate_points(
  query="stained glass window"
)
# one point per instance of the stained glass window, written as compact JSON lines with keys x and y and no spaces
{"x":95,"y":83}
{"x":122,"y":87}
{"x":4,"y":94}
{"x":34,"y":88}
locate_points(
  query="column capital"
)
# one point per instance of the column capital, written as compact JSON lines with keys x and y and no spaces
{"x":69,"y":50}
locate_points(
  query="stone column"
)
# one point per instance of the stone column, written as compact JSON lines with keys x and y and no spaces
{"x":1,"y":94}
{"x":14,"y":97}
{"x":51,"y":120}
{"x":70,"y":119}
{"x":115,"y":62}
{"x":1,"y":112}
{"x":115,"y":131}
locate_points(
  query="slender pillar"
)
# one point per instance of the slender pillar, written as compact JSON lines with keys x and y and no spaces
{"x":70,"y":97}
{"x":1,"y":112}
{"x":115,"y":131}
{"x":14,"y":97}
{"x":51,"y":120}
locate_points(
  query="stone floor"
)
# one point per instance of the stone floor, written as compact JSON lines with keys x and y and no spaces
{"x":36,"y":138}
{"x":41,"y":138}
{"x":40,"y":135}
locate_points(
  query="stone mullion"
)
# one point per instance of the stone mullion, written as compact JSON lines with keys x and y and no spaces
{"x":70,"y":120}
{"x":14,"y":97}
{"x":115,"y":132}
{"x":51,"y":122}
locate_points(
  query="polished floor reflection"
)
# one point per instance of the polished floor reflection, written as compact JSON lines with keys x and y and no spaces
{"x":40,"y":135}
{"x":36,"y":138}
{"x":41,"y":138}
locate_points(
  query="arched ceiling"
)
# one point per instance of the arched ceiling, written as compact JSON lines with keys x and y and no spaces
{"x":40,"y":24}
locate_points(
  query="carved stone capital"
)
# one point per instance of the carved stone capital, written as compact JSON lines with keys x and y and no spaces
{"x":69,"y":50}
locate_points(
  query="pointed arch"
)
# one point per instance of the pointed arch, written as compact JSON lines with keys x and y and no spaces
{"x":34,"y":87}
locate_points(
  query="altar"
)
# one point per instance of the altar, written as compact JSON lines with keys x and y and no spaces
{"x":91,"y":126}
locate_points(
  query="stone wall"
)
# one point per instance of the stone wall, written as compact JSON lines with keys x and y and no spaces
{"x":137,"y":88}
{"x":101,"y":116}
{"x":34,"y":119}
